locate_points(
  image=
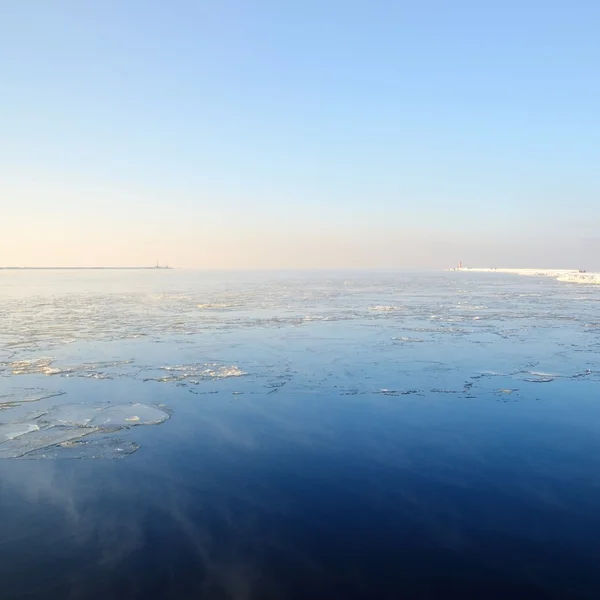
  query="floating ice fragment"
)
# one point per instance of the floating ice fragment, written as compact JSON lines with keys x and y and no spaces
{"x":77,"y":415}
{"x":127,"y":415}
{"x":20,"y":395}
{"x":217,"y":305}
{"x":40,"y":438}
{"x":45,"y":366}
{"x":30,"y":367}
{"x":9,"y":431}
{"x":387,"y":392}
{"x":106,"y":447}
{"x":195,"y":372}
{"x":82,"y":415}
{"x":60,"y":427}
{"x":537,"y":377}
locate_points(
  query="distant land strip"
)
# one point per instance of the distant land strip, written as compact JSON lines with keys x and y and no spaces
{"x":84,"y":268}
{"x":565,"y":275}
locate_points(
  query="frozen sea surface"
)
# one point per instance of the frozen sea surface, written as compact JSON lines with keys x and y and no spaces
{"x":298,"y":435}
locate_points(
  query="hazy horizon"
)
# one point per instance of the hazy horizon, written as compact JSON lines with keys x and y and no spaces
{"x":300,"y":136}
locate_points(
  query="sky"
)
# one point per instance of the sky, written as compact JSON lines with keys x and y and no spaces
{"x":300,"y":134}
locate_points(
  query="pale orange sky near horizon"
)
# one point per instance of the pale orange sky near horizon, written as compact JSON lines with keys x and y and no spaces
{"x":50,"y":221}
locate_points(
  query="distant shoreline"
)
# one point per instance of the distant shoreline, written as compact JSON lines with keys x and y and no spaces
{"x":85,"y":268}
{"x":565,"y":275}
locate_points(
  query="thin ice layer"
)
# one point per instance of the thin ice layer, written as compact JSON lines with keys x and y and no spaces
{"x":49,"y":433}
{"x":19,"y":395}
{"x":199,"y":371}
{"x":107,"y":416}
{"x":104,"y":447}
{"x":128,"y":415}
{"x":41,"y":438}
{"x":9,"y":431}
{"x":45,"y":366}
{"x":75,"y":415}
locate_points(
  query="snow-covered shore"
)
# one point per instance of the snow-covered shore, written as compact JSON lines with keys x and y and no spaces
{"x":580,"y":278}
{"x":567,"y":275}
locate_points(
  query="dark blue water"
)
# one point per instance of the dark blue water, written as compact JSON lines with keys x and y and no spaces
{"x":330,"y":436}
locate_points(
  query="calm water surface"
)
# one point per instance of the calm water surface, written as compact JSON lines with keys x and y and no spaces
{"x":330,"y":435}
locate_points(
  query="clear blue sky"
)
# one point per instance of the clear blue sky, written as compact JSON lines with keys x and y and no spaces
{"x":300,"y":133}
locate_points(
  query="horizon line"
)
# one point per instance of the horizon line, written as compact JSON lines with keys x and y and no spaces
{"x":85,"y":268}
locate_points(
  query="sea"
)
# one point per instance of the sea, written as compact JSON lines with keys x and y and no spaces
{"x":298,"y":435}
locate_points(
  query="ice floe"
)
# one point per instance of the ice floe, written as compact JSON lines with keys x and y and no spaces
{"x":46,"y":366}
{"x":18,"y":396}
{"x":199,"y":371}
{"x":65,"y":425}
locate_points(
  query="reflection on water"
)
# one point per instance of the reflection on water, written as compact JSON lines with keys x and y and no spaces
{"x":331,"y":436}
